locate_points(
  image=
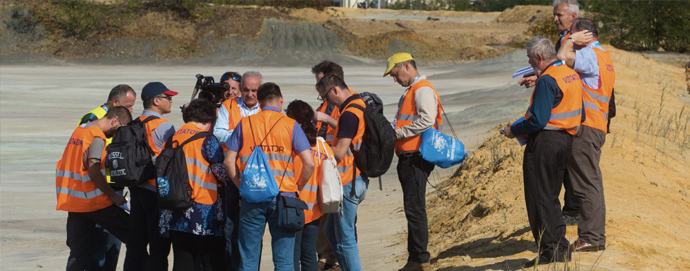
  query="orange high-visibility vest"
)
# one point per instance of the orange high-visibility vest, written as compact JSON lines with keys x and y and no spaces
{"x":330,"y":131}
{"x":201,"y":179}
{"x":407,"y":113}
{"x":150,"y":126}
{"x":75,"y":190}
{"x":596,"y":101}
{"x":347,"y":164}
{"x":310,"y":192}
{"x":235,"y":115}
{"x":277,"y":145}
{"x":568,"y":114}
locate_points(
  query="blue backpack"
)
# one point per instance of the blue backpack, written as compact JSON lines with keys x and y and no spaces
{"x":441,"y":149}
{"x":257,"y":183}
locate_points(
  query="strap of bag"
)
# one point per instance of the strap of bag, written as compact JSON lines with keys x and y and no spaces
{"x":269,"y":130}
{"x":170,"y":141}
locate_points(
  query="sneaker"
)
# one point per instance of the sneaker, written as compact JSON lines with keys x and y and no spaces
{"x":415,"y":266}
{"x":571,"y":220}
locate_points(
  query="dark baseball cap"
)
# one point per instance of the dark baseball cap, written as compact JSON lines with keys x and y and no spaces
{"x":154,"y":89}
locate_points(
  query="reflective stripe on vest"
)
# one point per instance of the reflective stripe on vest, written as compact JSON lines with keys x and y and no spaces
{"x":201,"y":179}
{"x":280,"y":141}
{"x":407,"y":113}
{"x":75,"y":191}
{"x":597,"y":100}
{"x":344,"y":166}
{"x":567,"y":115}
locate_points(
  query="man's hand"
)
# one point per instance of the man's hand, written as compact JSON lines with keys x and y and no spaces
{"x":507,"y":131}
{"x":528,"y":81}
{"x":582,"y":38}
{"x":118,"y":199}
{"x":323,"y":117}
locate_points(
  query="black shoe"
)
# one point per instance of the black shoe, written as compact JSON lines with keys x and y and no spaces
{"x":571,"y":220}
{"x":546,"y":260}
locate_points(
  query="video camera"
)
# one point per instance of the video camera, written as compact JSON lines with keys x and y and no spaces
{"x":209,"y":89}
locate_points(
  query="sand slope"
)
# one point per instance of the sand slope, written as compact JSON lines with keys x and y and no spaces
{"x":479,"y":221}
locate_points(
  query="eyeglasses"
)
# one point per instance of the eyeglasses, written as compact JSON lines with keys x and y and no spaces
{"x":118,"y":120}
{"x":323,"y":97}
{"x":169,"y":98}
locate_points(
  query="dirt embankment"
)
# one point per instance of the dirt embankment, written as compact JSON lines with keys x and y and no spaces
{"x":262,"y":35}
{"x":478,"y":221}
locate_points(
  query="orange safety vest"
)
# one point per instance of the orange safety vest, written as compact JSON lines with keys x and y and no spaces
{"x":345,"y":166}
{"x":235,"y":115}
{"x":201,"y":179}
{"x":568,"y":114}
{"x":330,"y":131}
{"x":75,"y":190}
{"x":407,"y":113}
{"x":277,"y":145}
{"x":596,"y":101}
{"x":150,"y":126}
{"x":310,"y":192}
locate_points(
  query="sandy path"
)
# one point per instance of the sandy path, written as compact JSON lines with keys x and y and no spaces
{"x":40,"y":105}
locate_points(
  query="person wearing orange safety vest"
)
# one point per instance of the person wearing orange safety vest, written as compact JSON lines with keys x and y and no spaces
{"x":419,"y":109}
{"x":229,"y":115}
{"x":144,"y":214}
{"x":281,"y":139}
{"x":595,"y":67}
{"x":105,"y":247}
{"x":552,"y":118}
{"x":340,"y":230}
{"x":306,"y":240}
{"x":82,"y":190}
{"x":197,"y":232}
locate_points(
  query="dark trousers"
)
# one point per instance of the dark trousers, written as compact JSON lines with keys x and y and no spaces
{"x":232,"y":226}
{"x":188,"y":248}
{"x":80,"y":228}
{"x":546,"y":156}
{"x":571,"y":202}
{"x":143,"y":231}
{"x":305,"y":247}
{"x":413,"y":172}
{"x":105,"y":247}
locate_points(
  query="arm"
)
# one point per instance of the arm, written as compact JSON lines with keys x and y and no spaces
{"x":566,"y":52}
{"x":99,"y":180}
{"x":231,"y":166}
{"x":341,"y":148}
{"x":543,"y":101}
{"x":220,"y":129}
{"x":528,"y":81}
{"x":325,"y":118}
{"x":308,"y":165}
{"x":161,"y":134}
{"x":427,"y":108}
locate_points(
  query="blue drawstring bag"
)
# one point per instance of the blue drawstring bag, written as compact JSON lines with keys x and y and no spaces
{"x":257,"y":183}
{"x":440,"y":149}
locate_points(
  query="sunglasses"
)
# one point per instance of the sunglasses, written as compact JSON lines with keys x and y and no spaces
{"x":169,"y":98}
{"x":234,"y":77}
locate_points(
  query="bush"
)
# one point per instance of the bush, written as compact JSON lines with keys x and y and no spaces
{"x":543,"y":27}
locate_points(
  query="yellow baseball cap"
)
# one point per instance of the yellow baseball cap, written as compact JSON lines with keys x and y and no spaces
{"x":395,"y":59}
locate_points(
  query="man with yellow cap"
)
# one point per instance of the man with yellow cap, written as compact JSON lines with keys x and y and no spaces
{"x":419,"y":109}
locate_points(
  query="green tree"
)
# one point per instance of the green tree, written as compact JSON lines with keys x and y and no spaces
{"x":642,"y":24}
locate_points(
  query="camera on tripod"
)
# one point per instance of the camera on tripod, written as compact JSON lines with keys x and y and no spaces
{"x":209,"y":89}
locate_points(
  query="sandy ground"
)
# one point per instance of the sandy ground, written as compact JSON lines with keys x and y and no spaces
{"x":40,"y":106}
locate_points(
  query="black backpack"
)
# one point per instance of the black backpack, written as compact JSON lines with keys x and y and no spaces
{"x":378,"y":142}
{"x":172,"y":182}
{"x":129,"y":155}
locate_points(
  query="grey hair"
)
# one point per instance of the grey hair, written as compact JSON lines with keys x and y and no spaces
{"x":120,"y":91}
{"x":540,"y":45}
{"x":251,"y":73}
{"x":573,"y":6}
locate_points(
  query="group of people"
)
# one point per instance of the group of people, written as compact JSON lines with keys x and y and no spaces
{"x":566,"y":126}
{"x":222,"y":230}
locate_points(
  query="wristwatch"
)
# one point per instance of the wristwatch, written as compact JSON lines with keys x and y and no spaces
{"x":571,"y":39}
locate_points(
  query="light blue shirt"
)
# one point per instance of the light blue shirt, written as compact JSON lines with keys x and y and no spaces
{"x":221,"y":130}
{"x":587,"y":66}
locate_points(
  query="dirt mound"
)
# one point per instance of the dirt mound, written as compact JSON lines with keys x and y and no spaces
{"x":524,"y":14}
{"x":478,"y":219}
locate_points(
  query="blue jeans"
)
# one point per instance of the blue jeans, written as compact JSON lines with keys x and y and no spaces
{"x":341,"y":232}
{"x":253,"y":219}
{"x":305,"y":247}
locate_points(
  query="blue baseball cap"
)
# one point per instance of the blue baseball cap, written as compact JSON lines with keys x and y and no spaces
{"x":153,"y":89}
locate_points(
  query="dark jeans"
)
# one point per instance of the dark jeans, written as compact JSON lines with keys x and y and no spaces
{"x":305,"y":247}
{"x":143,"y":231}
{"x":546,"y":156}
{"x":413,"y":172}
{"x":571,"y":203}
{"x":105,"y":247}
{"x":80,"y":228}
{"x":187,"y":248}
{"x":232,"y":223}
